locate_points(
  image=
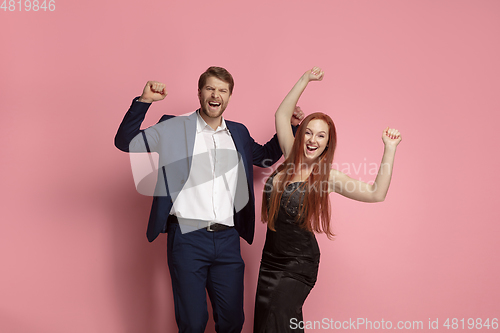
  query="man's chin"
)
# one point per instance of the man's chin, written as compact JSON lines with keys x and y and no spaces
{"x":211,"y":114}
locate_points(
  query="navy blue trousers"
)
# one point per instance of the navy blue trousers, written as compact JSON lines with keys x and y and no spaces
{"x":199,"y":262}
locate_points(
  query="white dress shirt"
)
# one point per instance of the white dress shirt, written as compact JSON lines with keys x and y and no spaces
{"x":208,"y":194}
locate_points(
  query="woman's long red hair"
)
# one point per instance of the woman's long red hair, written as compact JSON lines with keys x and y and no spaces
{"x":316,"y":205}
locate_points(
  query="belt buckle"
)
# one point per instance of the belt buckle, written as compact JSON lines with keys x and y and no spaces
{"x":209,"y":228}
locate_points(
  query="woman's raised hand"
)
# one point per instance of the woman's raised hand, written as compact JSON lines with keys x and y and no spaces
{"x":391,"y":137}
{"x":314,"y":74}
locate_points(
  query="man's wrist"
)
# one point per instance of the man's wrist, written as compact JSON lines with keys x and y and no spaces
{"x":144,"y":100}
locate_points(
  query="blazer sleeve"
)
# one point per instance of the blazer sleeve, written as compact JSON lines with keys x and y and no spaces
{"x":266,"y":155}
{"x":129,"y":137}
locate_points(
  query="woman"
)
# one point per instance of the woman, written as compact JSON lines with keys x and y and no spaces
{"x":295,"y":205}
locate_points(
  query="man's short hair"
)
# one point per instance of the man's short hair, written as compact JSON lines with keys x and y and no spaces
{"x":218,"y":72}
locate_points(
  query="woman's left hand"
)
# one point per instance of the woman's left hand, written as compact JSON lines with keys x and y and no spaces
{"x":391,"y":137}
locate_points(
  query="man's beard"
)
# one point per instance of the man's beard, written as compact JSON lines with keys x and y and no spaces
{"x":212,"y":115}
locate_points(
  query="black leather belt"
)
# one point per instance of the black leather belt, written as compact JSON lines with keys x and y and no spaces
{"x":214,"y":227}
{"x":218,"y":227}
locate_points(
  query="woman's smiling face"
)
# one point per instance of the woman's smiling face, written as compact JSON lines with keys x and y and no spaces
{"x":315,"y":139}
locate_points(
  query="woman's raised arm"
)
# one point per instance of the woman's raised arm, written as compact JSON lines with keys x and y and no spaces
{"x":358,"y":190}
{"x":287,"y":107}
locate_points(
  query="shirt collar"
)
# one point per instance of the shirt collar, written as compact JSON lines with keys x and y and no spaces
{"x":201,"y":124}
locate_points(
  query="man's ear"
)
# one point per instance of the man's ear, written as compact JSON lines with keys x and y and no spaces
{"x":199,"y":93}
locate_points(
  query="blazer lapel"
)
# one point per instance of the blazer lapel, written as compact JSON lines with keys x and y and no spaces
{"x":238,"y":142}
{"x":190,"y":132}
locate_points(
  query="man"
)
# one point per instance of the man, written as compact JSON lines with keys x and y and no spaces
{"x":204,"y":197}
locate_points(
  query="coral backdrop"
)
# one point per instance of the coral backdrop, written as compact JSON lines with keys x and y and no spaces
{"x":73,"y":251}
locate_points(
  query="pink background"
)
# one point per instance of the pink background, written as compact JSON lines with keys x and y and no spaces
{"x":73,"y":251}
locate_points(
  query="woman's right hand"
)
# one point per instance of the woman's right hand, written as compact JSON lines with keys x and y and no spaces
{"x":314,"y":74}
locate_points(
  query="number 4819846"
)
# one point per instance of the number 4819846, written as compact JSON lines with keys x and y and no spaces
{"x":28,"y":5}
